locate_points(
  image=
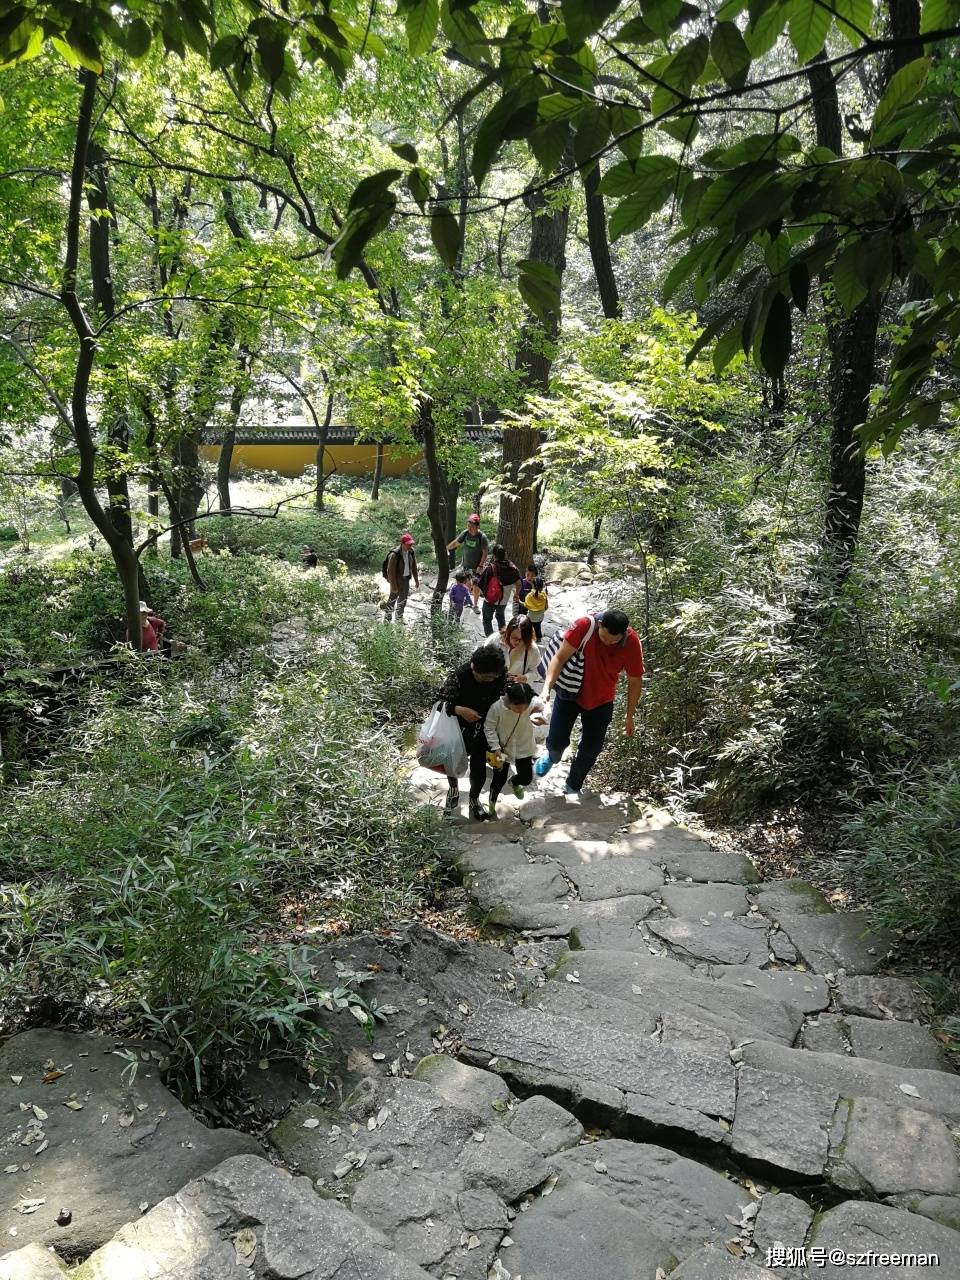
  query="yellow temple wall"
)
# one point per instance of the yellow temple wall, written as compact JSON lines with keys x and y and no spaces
{"x":292,"y":459}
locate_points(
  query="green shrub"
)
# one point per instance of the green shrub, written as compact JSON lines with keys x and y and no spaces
{"x":905,"y":843}
{"x":149,"y":866}
{"x":8,"y":533}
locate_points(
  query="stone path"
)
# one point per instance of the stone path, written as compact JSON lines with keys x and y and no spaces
{"x":667,"y":1068}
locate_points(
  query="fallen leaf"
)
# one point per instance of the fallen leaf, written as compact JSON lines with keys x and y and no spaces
{"x":550,"y":1183}
{"x":263,"y":1064}
{"x":312,"y":1123}
{"x":473,"y":1243}
{"x":42,"y":1147}
{"x":379,"y":1057}
{"x":48,"y":1077}
{"x":909,"y":1089}
{"x":372,"y":1122}
{"x":245,"y":1245}
{"x":64,"y":1218}
{"x":12,"y":1168}
{"x":126,"y":1120}
{"x":40,"y":1113}
{"x":73,"y":1105}
{"x":17,"y":1079}
{"x":143,"y":1206}
{"x":734,"y":1247}
{"x":29,"y":1206}
{"x":600,"y":1166}
{"x":572,"y":977}
{"x":479,"y":1137}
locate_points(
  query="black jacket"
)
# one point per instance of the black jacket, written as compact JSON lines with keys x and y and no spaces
{"x":460,"y":689}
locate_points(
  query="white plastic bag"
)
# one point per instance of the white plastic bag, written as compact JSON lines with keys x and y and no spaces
{"x":440,"y":744}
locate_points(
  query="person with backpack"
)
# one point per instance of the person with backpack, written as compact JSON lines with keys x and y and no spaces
{"x":399,"y":569}
{"x":536,"y":603}
{"x":584,"y":668}
{"x":475,"y":548}
{"x":499,"y":574}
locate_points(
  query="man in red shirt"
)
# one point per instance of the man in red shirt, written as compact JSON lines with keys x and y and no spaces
{"x":613,"y":647}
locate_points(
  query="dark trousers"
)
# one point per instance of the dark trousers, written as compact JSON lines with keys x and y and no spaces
{"x":398,"y":599}
{"x":475,"y":741}
{"x":593,"y":731}
{"x":522,"y":773}
{"x":488,"y":611}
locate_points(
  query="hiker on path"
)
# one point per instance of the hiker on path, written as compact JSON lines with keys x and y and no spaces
{"x":509,"y":730}
{"x":310,"y":558}
{"x":468,"y":693}
{"x":152,"y":629}
{"x":399,"y":568}
{"x":521,"y":651}
{"x":536,"y":603}
{"x":498,"y":576}
{"x":460,"y":596}
{"x":475,"y":548}
{"x":609,"y":645}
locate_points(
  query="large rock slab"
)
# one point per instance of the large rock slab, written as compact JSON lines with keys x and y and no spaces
{"x":454,"y":973}
{"x":937,"y":1092}
{"x":543,"y":1124}
{"x":562,"y":918}
{"x":412,"y":1123}
{"x":32,"y":1262}
{"x":247,"y":1218}
{"x":614,"y":877}
{"x":492,"y":857}
{"x":857,"y":1227}
{"x":571,"y":999}
{"x":717,"y":1264}
{"x":904,"y":1044}
{"x":685,"y":1203}
{"x":113,"y":1148}
{"x":569,"y":1048}
{"x":873,"y":997}
{"x":828,"y":1034}
{"x":520,"y":886}
{"x":783,"y":1220}
{"x":575,"y":1230}
{"x":783,"y":1122}
{"x":723,"y":942}
{"x":569,"y":853}
{"x":806,"y":991}
{"x":826,"y":941}
{"x":706,"y":867}
{"x":711,"y":901}
{"x":475,"y":1090}
{"x":888,"y":1150}
{"x":740,"y":1011}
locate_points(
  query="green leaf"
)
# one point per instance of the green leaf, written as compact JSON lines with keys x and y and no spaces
{"x":359,"y":227}
{"x":224,"y":53}
{"x":270,"y":51}
{"x":539,"y":287}
{"x":584,"y":17}
{"x":623,"y":120}
{"x":548,"y":143}
{"x":853,"y":17}
{"x":847,"y":285}
{"x":764,"y":31}
{"x":727,"y":347}
{"x":418,"y":184}
{"x":875,"y":261}
{"x":406,"y":151}
{"x":904,"y":86}
{"x":683,"y":128}
{"x":593,"y":133}
{"x":683,"y":69}
{"x":938,"y":15}
{"x":421,"y":18}
{"x":753,"y":318}
{"x":777,"y":337}
{"x":799,"y":277}
{"x":491,"y":131}
{"x":730,"y":53}
{"x":635,"y":31}
{"x":371,"y":191}
{"x":631,"y":213}
{"x":644,"y":176}
{"x":462,"y":28}
{"x":809,"y":23}
{"x":139,"y":37}
{"x":445,"y":234}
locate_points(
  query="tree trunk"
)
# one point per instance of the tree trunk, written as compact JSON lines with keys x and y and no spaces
{"x":436,"y":505}
{"x":153,"y":508}
{"x":323,"y":430}
{"x":186,"y":488}
{"x":229,"y":439}
{"x":600,"y":245}
{"x":852,"y":339}
{"x":521,"y":466}
{"x":377,"y":474}
{"x":592,"y":553}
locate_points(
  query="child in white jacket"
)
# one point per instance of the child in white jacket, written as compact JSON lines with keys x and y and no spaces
{"x":509,"y":728}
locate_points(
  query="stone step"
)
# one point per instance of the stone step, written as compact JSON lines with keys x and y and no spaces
{"x":806,"y":991}
{"x":702,"y":867}
{"x":936,"y":1092}
{"x":858,"y":1227}
{"x":246,"y":1217}
{"x":826,"y":940}
{"x":902,"y":1044}
{"x":94,"y":1139}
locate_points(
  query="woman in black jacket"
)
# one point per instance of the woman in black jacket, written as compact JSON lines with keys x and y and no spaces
{"x":468,"y":693}
{"x":498,"y":570}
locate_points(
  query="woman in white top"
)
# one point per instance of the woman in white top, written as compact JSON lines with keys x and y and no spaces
{"x":519,"y":643}
{"x":509,"y":727}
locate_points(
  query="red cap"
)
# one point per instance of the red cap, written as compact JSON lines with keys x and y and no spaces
{"x":406,"y":540}
{"x":474,"y":517}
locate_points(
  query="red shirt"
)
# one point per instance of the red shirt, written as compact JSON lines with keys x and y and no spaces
{"x":603,"y":663}
{"x":151,"y":631}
